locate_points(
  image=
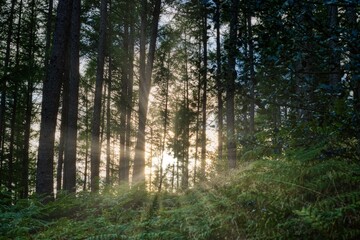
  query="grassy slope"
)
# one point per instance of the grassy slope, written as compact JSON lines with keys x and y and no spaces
{"x":300,"y":196}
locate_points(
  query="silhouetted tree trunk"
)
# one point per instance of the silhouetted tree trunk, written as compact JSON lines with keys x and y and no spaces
{"x":14,"y":109}
{"x":219,"y":86}
{"x":123,"y":105}
{"x":108,"y":124}
{"x":4,"y":82}
{"x":230,"y":85}
{"x":64,"y":123}
{"x":50,"y":102}
{"x":186,"y":138}
{"x":74,"y":79}
{"x":87,"y":140}
{"x":24,"y":190}
{"x":197,"y":129}
{"x":63,"y":132}
{"x":204,"y":95}
{"x":164,"y":134}
{"x":252,"y":76}
{"x":129,"y":104}
{"x":144,"y":90}
{"x":95,"y":129}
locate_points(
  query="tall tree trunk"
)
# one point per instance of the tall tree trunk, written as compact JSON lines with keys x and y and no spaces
{"x":197,"y":114}
{"x":185,"y":173}
{"x":74,"y":79}
{"x":123,"y":105}
{"x":252,"y":77}
{"x":129,"y":104}
{"x":108,"y":125}
{"x":15,"y":105}
{"x":204,"y":96}
{"x":63,"y":132}
{"x":64,"y":123}
{"x":219,"y":81}
{"x":230,"y":86}
{"x":4,"y":82}
{"x":87,"y":140}
{"x":50,"y":103}
{"x":95,"y":129}
{"x":24,"y":189}
{"x":164,"y":134}
{"x":144,"y":92}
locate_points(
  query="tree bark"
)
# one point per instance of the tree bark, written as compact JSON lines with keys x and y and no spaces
{"x":219,"y":81}
{"x":50,"y":103}
{"x":4,"y":82}
{"x":74,"y":79}
{"x":108,"y":125}
{"x":24,"y":189}
{"x":63,"y":132}
{"x":204,"y":96}
{"x":123,"y":173}
{"x":144,"y":92}
{"x":252,"y":77}
{"x":230,"y":86}
{"x":95,"y":129}
{"x":14,"y":109}
{"x":129,"y":104}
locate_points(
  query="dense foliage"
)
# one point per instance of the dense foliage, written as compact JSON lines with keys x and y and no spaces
{"x":300,"y":195}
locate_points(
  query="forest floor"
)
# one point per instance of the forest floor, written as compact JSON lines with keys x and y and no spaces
{"x":295,"y":196}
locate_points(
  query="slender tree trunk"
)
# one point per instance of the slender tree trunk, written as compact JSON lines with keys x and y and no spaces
{"x":73,"y":99}
{"x":87,"y":140}
{"x":14,"y":105}
{"x":129,"y":104}
{"x":27,"y":131}
{"x":12,"y":140}
{"x":252,"y":77}
{"x":95,"y":133}
{"x":186,"y":144}
{"x":204,"y":97}
{"x":50,"y":104}
{"x":164,"y":134}
{"x":230,"y":86}
{"x":63,"y":132}
{"x":64,"y":124}
{"x":108,"y":125}
{"x":24,"y":190}
{"x":123,"y":106}
{"x":219,"y":81}
{"x":197,"y":115}
{"x":4,"y":82}
{"x":144,"y":92}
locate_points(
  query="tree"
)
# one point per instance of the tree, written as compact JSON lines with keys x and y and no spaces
{"x":144,"y":87}
{"x":219,"y":79}
{"x":50,"y":101}
{"x":74,"y":78}
{"x":5,"y":80}
{"x":230,"y":85}
{"x":95,"y":127}
{"x":204,"y":89}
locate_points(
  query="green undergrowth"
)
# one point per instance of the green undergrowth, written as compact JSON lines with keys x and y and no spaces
{"x":300,"y":195}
